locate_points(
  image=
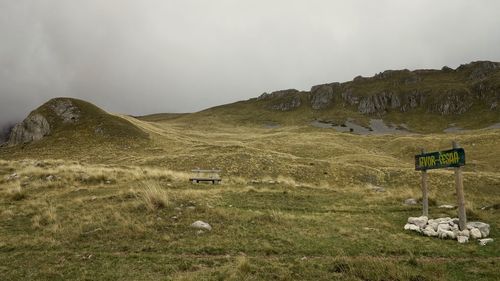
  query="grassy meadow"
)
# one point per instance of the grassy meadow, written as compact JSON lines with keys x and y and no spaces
{"x":296,"y":203}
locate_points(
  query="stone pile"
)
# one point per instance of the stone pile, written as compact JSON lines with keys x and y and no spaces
{"x":447,"y":228}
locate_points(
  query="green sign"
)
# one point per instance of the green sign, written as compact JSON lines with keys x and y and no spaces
{"x":441,"y":159}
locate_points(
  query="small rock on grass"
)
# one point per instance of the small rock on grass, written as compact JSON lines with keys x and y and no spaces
{"x":446,"y":207}
{"x":201,"y":225}
{"x":411,"y":201}
{"x":462,"y":239}
{"x":485,"y":241}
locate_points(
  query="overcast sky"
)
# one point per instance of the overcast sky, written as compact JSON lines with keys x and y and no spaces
{"x":146,"y":56}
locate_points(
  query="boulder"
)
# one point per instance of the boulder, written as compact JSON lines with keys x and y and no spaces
{"x":475,"y":233}
{"x":418,"y":221}
{"x":201,"y":225}
{"x":483,"y":227}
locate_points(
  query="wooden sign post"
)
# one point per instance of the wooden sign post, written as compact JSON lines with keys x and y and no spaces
{"x":443,"y":159}
{"x":459,"y":184}
{"x":425,"y":194}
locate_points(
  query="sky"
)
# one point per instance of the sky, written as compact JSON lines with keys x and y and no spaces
{"x":149,"y":56}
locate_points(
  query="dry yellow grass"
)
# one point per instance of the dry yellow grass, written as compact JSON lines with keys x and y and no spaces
{"x":153,"y":195}
{"x":289,"y":193}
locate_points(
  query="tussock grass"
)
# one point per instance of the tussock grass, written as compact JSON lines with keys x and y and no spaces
{"x":153,"y":196}
{"x":16,"y":192}
{"x":47,"y":218}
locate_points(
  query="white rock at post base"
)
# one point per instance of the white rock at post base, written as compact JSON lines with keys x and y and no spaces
{"x":429,"y":231}
{"x":412,"y":227}
{"x":483,"y":227}
{"x":442,"y":220}
{"x":445,"y":234}
{"x":464,"y":232}
{"x":418,"y":221}
{"x":485,"y":241}
{"x":443,"y":227}
{"x":434,"y":225}
{"x":462,"y":239}
{"x":475,"y":233}
{"x":201,"y":225}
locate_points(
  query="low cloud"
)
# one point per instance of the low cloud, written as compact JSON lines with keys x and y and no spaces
{"x":140,"y":57}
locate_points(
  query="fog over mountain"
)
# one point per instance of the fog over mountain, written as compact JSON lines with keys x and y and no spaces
{"x":140,"y":57}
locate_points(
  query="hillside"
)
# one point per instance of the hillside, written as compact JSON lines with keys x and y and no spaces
{"x":69,"y":126}
{"x":296,"y":203}
{"x":106,"y":197}
{"x":421,"y":101}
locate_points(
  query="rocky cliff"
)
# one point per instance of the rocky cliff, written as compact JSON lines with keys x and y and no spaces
{"x":443,"y":92}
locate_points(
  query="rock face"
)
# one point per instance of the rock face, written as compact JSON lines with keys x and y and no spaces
{"x":33,"y":128}
{"x":322,"y":96}
{"x":402,"y":91}
{"x":65,"y":109}
{"x":36,"y":125}
{"x":284,"y":100}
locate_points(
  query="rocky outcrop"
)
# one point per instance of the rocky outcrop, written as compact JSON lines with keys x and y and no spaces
{"x":65,"y":110}
{"x":278,"y":94}
{"x":379,"y":103}
{"x":322,"y":96}
{"x":288,"y":104}
{"x":479,"y":69}
{"x":33,"y":128}
{"x":37,"y":125}
{"x":284,"y":100}
{"x":443,"y":92}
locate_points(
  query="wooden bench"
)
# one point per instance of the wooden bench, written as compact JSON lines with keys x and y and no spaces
{"x":205,"y":176}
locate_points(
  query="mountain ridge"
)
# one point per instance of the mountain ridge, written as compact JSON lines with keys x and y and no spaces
{"x":402,"y":89}
{"x":424,"y":100}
